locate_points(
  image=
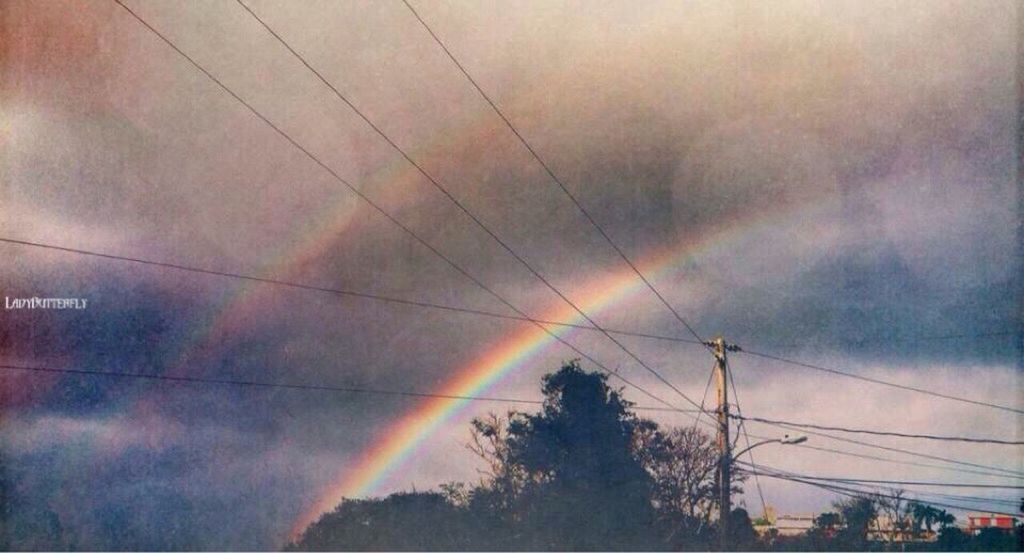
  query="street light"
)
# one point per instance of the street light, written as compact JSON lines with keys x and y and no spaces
{"x":785,"y":440}
{"x":723,"y":520}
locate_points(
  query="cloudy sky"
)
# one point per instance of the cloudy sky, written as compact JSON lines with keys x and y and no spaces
{"x":831,"y":182}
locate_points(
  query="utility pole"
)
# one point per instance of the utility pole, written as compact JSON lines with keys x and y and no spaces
{"x":720,"y":348}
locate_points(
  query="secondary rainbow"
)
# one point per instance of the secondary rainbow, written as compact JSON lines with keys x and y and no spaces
{"x":391,"y":185}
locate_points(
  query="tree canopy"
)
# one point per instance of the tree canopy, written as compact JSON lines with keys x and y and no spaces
{"x":584,"y":472}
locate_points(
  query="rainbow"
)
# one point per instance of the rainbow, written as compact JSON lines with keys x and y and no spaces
{"x":389,"y":186}
{"x":400,"y":439}
{"x":335,"y":221}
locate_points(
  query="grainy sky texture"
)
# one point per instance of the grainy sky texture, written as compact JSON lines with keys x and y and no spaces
{"x":838,"y":182}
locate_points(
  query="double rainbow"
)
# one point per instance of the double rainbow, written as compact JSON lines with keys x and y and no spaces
{"x":402,"y":438}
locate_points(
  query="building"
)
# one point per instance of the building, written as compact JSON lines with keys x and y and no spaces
{"x":783,"y":525}
{"x":793,"y":525}
{"x":977,"y":521}
{"x":885,"y":530}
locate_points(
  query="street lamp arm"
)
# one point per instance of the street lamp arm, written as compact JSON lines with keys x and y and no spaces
{"x":740,"y":454}
{"x":785,"y":441}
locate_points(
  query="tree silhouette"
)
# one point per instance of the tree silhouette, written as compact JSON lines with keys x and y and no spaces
{"x":682,"y":462}
{"x":582,"y":473}
{"x":897,"y":512}
{"x":741,"y":531}
{"x":584,"y":486}
{"x":585,"y":473}
{"x":859,"y":514}
{"x":399,"y":522}
{"x":928,"y":516}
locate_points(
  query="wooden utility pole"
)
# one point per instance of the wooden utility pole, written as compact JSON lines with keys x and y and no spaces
{"x":719,"y":348}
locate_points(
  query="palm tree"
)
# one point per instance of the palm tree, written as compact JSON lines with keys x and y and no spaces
{"x":920,"y":512}
{"x":944,"y":519}
{"x":929,"y":515}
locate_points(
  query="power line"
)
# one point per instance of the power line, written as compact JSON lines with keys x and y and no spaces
{"x":339,"y":291}
{"x":933,"y":337}
{"x":587,"y":215}
{"x":382,"y":298}
{"x":1000,"y":472}
{"x":391,"y":218}
{"x":917,"y":483}
{"x":198,"y":270}
{"x":551,"y":174}
{"x":868,"y":494}
{"x":263,"y":384}
{"x":468,"y":213}
{"x":958,"y":470}
{"x":704,"y":397}
{"x":856,"y":492}
{"x":908,"y":482}
{"x":904,"y":339}
{"x":360,"y":295}
{"x":455,"y":201}
{"x":292,"y":386}
{"x":1011,"y":473}
{"x":287,"y":137}
{"x":400,"y":393}
{"x":973,"y":498}
{"x":883,"y":382}
{"x":883,"y":433}
{"x":750,"y":449}
{"x":408,"y":393}
{"x":355,"y":293}
{"x":875,"y":491}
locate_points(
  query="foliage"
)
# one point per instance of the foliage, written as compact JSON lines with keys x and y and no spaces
{"x":741,"y":532}
{"x":585,"y":473}
{"x":898,"y":515}
{"x":925,"y":517}
{"x":582,"y":485}
{"x":858,"y":515}
{"x":399,"y":522}
{"x":682,"y":463}
{"x":582,"y":473}
{"x":952,"y":538}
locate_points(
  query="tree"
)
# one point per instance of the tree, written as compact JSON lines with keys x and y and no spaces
{"x":897,"y":512}
{"x":928,"y":516}
{"x":945,"y":519}
{"x":583,"y":486}
{"x":582,"y":473}
{"x":995,"y":539}
{"x":742,"y":536}
{"x":682,"y":462}
{"x":503,"y":479}
{"x":859,"y":514}
{"x":952,"y":538}
{"x":820,"y":537}
{"x":827,"y":523}
{"x":399,"y":522}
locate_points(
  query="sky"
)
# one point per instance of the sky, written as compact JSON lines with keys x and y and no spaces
{"x":831,"y":182}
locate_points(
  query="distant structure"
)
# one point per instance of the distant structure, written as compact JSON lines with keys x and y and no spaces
{"x":794,"y":525}
{"x":881,"y":529}
{"x":884,"y":530}
{"x":783,"y":525}
{"x":977,"y":521}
